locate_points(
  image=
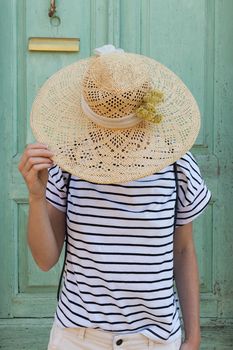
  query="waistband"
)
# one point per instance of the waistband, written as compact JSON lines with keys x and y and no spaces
{"x":110,"y":338}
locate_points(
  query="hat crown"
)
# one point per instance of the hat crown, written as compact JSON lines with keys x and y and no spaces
{"x":115,"y":84}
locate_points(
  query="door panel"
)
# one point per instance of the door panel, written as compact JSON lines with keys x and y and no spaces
{"x":36,"y":289}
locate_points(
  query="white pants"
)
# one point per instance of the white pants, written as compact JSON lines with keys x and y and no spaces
{"x":92,"y":339}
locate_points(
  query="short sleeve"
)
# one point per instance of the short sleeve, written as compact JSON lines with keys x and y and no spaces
{"x":56,"y":191}
{"x":193,"y":194}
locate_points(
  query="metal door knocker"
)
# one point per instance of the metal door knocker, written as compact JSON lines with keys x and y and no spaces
{"x":52,"y":9}
{"x":54,"y":20}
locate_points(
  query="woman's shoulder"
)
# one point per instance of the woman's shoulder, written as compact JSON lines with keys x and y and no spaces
{"x":188,"y":167}
{"x":187,"y":159}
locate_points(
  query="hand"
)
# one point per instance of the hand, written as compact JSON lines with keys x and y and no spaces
{"x":188,"y":345}
{"x":33,"y":166}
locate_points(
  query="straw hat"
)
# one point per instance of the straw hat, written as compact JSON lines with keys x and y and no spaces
{"x":115,"y":117}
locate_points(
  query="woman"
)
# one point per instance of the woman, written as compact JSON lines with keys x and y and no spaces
{"x":123,"y":190}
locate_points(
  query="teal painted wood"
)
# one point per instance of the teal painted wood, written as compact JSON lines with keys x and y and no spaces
{"x":7,"y":130}
{"x":193,"y":38}
{"x":223,"y":145}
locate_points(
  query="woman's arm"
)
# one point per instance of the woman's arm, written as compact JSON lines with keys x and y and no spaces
{"x":187,"y":283}
{"x":46,"y":232}
{"x":46,"y":224}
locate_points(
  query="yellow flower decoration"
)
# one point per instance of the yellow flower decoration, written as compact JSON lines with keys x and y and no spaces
{"x":147,"y":110}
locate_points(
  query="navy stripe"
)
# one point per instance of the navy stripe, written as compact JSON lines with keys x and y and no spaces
{"x":92,"y":285}
{"x":120,"y":209}
{"x":135,"y":297}
{"x":197,"y":212}
{"x":122,"y":263}
{"x":54,"y":202}
{"x":120,"y":227}
{"x":118,"y":313}
{"x":115,"y":322}
{"x":137,"y":281}
{"x":198,"y":205}
{"x":110,"y":296}
{"x":116,"y":202}
{"x":120,"y":218}
{"x":116,"y":253}
{"x":118,"y":272}
{"x":79,"y":189}
{"x":117,"y":235}
{"x":55,"y":194}
{"x":56,"y":189}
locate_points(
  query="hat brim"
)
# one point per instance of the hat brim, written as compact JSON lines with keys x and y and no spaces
{"x":101,"y":155}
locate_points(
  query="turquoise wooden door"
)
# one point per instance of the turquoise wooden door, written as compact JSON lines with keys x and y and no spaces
{"x":193,"y":38}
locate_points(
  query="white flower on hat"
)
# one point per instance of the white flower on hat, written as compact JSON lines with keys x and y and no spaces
{"x":105,"y":49}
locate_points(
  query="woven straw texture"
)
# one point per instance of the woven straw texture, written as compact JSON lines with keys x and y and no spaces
{"x":113,"y":85}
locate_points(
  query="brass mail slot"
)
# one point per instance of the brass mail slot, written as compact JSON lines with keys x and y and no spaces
{"x":54,"y":44}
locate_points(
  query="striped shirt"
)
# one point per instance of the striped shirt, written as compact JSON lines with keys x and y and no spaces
{"x":119,"y":267}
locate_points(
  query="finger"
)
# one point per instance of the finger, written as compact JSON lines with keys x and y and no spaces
{"x":31,"y":153}
{"x":30,"y":147}
{"x":38,"y":167}
{"x":36,"y":145}
{"x":35,"y":161}
{"x":33,"y":173}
